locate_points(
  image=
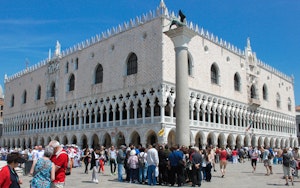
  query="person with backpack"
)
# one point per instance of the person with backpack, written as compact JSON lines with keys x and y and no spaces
{"x":286,"y":164}
{"x":60,"y":158}
{"x":142,"y":165}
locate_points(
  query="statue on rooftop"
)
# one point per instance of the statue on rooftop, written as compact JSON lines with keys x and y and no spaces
{"x":177,"y":22}
{"x":57,"y":49}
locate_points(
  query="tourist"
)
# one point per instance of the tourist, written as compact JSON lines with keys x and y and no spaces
{"x":208,"y":167}
{"x":223,"y":161}
{"x":8,"y":176}
{"x":286,"y":164}
{"x":133,"y":164}
{"x":253,"y":155}
{"x":143,"y":166}
{"x":234,"y":154}
{"x":196,"y":167}
{"x":163,"y":154}
{"x":60,"y":159}
{"x":112,"y":154}
{"x":120,"y":160}
{"x":43,"y":170}
{"x":153,"y":161}
{"x":266,"y":160}
{"x":94,"y":167}
{"x":86,"y":159}
{"x":102,"y":159}
{"x":175,"y":168}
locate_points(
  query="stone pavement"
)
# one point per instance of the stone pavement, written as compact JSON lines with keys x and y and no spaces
{"x":237,"y":176}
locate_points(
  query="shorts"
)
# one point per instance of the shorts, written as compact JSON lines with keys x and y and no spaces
{"x":286,"y":170}
{"x":57,"y":185}
{"x":267,"y":162}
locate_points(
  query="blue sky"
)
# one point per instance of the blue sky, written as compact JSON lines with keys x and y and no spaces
{"x":28,"y":29}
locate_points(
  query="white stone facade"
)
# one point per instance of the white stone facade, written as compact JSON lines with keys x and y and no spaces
{"x":124,"y":109}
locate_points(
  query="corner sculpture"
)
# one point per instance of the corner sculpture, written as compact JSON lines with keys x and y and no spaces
{"x":178,"y":23}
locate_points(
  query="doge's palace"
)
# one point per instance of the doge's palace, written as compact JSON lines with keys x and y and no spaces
{"x":119,"y":87}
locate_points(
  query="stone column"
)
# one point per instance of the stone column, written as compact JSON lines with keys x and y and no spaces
{"x":181,"y":37}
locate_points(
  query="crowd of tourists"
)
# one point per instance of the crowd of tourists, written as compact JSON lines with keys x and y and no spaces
{"x":150,"y":165}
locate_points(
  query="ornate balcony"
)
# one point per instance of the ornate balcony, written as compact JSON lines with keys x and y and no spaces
{"x":254,"y":102}
{"x":50,"y":101}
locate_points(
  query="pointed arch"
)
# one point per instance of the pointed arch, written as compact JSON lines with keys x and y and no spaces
{"x":265,"y":92}
{"x":71,"y":82}
{"x":214,"y":74}
{"x":98,"y":74}
{"x":253,"y":92}
{"x":237,"y":82}
{"x":132,"y":64}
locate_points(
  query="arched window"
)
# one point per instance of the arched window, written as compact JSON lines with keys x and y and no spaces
{"x":289,"y":104}
{"x":71,"y":82}
{"x":253,"y":92}
{"x":214,"y":74}
{"x":38,"y":93}
{"x":12,"y":101}
{"x":99,"y":74}
{"x":265,"y":92}
{"x":278,"y":101}
{"x":52,"y":90}
{"x":237,"y":82}
{"x":132,"y":66}
{"x":25,"y":97}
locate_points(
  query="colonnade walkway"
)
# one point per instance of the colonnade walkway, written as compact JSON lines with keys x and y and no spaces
{"x":237,"y":176}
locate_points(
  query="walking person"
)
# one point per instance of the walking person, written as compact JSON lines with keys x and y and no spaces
{"x":254,"y":156}
{"x":94,"y":167}
{"x":286,"y":165}
{"x":223,"y":161}
{"x":153,"y":161}
{"x":266,"y":160}
{"x":43,"y":170}
{"x":60,"y":159}
{"x":86,"y":159}
{"x":102,"y":159}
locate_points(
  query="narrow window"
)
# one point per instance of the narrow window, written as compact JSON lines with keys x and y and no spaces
{"x":72,"y":83}
{"x":12,"y":102}
{"x":25,"y":97}
{"x":214,"y":74}
{"x":132,"y":65}
{"x":52,"y":90}
{"x":237,"y":82}
{"x":265,"y":92}
{"x":99,"y":74}
{"x":38,"y":93}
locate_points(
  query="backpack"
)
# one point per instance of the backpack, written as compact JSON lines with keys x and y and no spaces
{"x":270,"y":155}
{"x":141,"y":159}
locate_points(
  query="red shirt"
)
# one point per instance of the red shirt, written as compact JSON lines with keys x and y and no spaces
{"x":60,"y":159}
{"x":234,"y":153}
{"x":5,"y":177}
{"x":223,"y":155}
